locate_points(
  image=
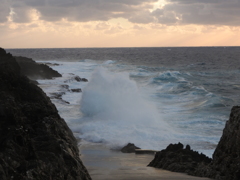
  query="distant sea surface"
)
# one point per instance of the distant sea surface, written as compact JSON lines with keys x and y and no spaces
{"x":147,"y":96}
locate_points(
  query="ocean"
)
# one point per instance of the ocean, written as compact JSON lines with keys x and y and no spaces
{"x":147,"y":96}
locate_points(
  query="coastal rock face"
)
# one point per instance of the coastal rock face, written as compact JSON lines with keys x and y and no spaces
{"x":35,"y":142}
{"x":34,"y":71}
{"x":179,"y":159}
{"x":225,"y":164}
{"x":226,"y":158}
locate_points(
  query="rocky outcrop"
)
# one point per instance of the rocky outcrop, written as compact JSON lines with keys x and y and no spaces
{"x":129,"y":148}
{"x":34,"y":71}
{"x":225,"y":164}
{"x":179,"y":159}
{"x":35,"y":142}
{"x":226,"y":157}
{"x":76,"y":78}
{"x":76,"y":90}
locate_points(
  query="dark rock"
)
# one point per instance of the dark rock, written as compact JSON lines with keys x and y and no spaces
{"x":76,"y":78}
{"x":35,"y":71}
{"x":84,"y":80}
{"x":226,"y":157}
{"x":34,"y":81}
{"x":2,"y":52}
{"x":76,"y":90}
{"x":35,"y":142}
{"x":176,"y":158}
{"x":51,"y":64}
{"x":225,"y":164}
{"x":58,"y":95}
{"x":65,"y":86}
{"x":129,"y":148}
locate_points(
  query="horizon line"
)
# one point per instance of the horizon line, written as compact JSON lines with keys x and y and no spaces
{"x":124,"y":47}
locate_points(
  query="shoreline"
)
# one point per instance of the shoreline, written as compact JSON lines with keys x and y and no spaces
{"x":105,"y":164}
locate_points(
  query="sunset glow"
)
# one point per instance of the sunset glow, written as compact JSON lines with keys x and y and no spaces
{"x":143,"y":23}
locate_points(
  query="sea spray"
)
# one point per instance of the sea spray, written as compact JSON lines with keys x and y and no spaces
{"x":191,"y":92}
{"x":116,"y":113}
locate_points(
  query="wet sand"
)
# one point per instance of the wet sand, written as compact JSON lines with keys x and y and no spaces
{"x":105,"y":164}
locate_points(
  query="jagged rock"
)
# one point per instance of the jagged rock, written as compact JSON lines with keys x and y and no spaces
{"x":65,"y":86}
{"x":226,"y":157}
{"x":35,"y":142}
{"x":225,"y":164}
{"x":129,"y":148}
{"x":179,"y":159}
{"x":58,"y":95}
{"x":76,"y":78}
{"x":76,"y":90}
{"x":52,"y":64}
{"x":34,"y":81}
{"x":84,"y":80}
{"x":35,"y":71}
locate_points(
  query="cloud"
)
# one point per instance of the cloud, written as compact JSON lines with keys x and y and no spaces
{"x":4,"y":11}
{"x":78,"y":10}
{"x":142,"y":17}
{"x":203,"y":12}
{"x":171,"y":12}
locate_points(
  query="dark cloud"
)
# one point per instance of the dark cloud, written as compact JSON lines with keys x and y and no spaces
{"x":78,"y":10}
{"x":204,"y":12}
{"x":175,"y":12}
{"x":142,"y":17}
{"x":4,"y":11}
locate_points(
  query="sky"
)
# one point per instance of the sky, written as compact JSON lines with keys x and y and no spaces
{"x":118,"y":23}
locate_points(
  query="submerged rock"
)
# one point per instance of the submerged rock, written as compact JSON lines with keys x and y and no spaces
{"x":35,"y":71}
{"x":129,"y":148}
{"x":76,"y":90}
{"x":84,"y":80}
{"x":52,"y":64}
{"x":76,"y":78}
{"x":35,"y":142}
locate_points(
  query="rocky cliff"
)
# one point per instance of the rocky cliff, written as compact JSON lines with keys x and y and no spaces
{"x":225,"y":164}
{"x":226,"y":158}
{"x":35,"y":71}
{"x":35,"y":142}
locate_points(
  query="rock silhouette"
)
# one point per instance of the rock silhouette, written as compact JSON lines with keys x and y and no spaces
{"x":35,"y":142}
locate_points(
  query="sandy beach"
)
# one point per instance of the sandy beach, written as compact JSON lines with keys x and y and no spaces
{"x":105,"y":164}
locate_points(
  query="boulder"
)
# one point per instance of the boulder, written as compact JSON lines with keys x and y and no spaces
{"x":84,"y":80}
{"x":76,"y":90}
{"x":129,"y":148}
{"x":35,"y":142}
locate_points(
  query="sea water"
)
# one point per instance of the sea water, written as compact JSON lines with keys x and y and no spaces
{"x":147,"y":96}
